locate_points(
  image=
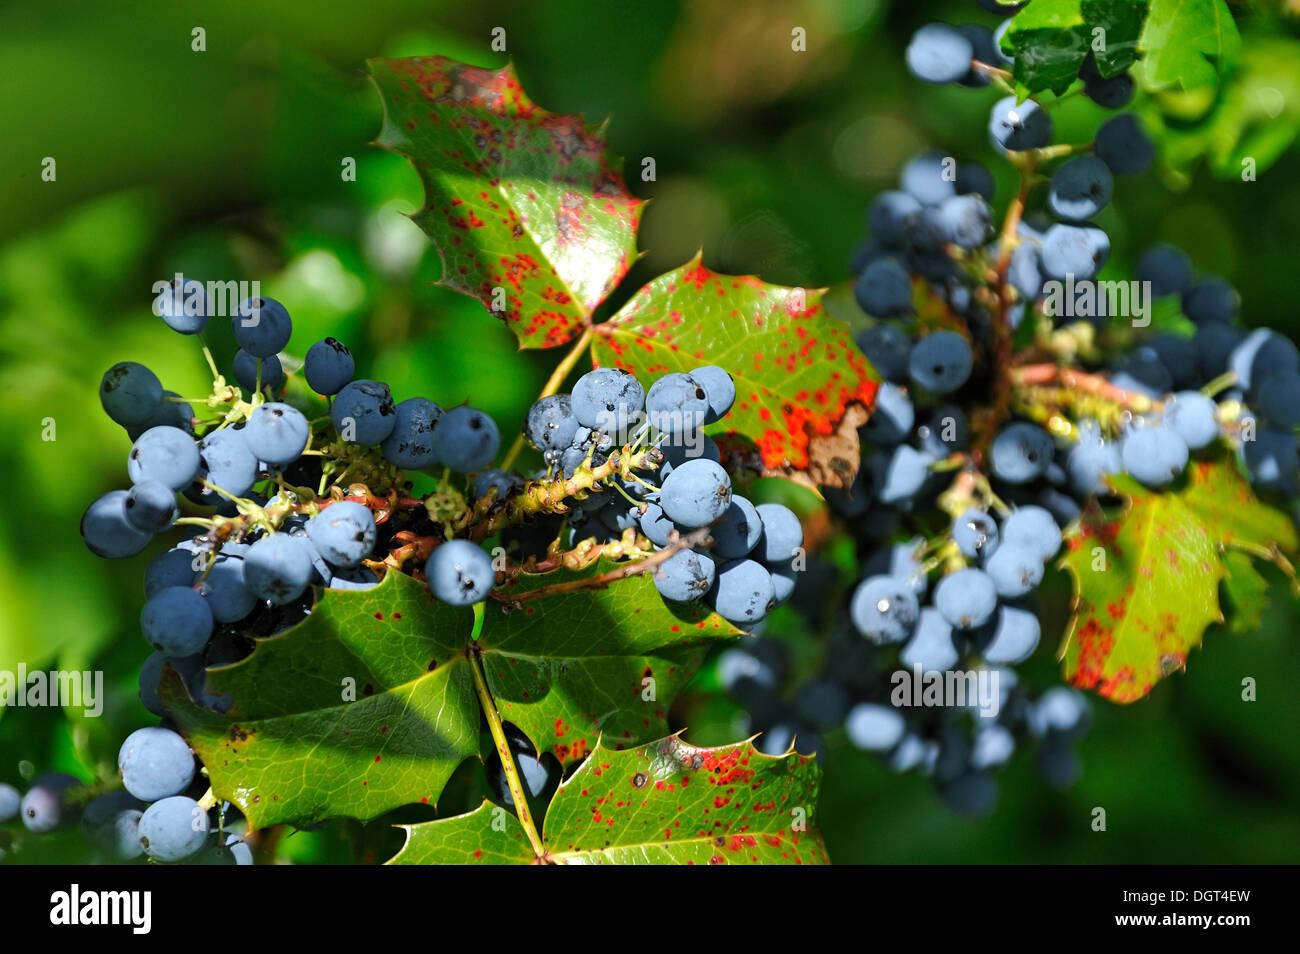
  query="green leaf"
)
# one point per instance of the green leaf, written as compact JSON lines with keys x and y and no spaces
{"x":293,"y":749}
{"x":1147,"y":580}
{"x":802,"y":386}
{"x":517,"y":198}
{"x":1049,"y":40}
{"x":1187,"y":44}
{"x":1121,"y":21}
{"x":666,"y":803}
{"x":489,"y":835}
{"x":1256,"y":117}
{"x":1246,"y":591}
{"x":569,"y":668}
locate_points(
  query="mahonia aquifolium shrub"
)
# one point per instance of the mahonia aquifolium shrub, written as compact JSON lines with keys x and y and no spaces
{"x":962,"y":600}
{"x":290,"y":520}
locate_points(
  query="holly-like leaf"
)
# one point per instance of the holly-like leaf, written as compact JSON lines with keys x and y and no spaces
{"x":1245,"y":591}
{"x":798,"y":374}
{"x":1255,"y":117}
{"x":1120,"y":23}
{"x":293,"y":748}
{"x":1049,"y":40}
{"x":569,"y":668}
{"x":1187,"y":44}
{"x":665,"y":803}
{"x":1147,"y":580}
{"x":528,"y":209}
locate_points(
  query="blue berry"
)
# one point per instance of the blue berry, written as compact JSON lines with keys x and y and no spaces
{"x":900,"y":475}
{"x":410,"y":445}
{"x":130,"y":393}
{"x":1108,"y":92}
{"x":1014,"y":570}
{"x":1272,"y":459}
{"x":460,"y":573}
{"x":739,"y":530}
{"x":1081,"y":187}
{"x":173,"y":829}
{"x":696,"y":493}
{"x":966,"y":220}
{"x":655,"y":524}
{"x":782,"y":534}
{"x":874,"y":728}
{"x":226,"y":590}
{"x":931,"y":646}
{"x":466,"y":440}
{"x":974,"y":178}
{"x":1019,"y":126}
{"x":891,"y":217}
{"x":227,"y":463}
{"x":888,"y":349}
{"x":1090,"y":460}
{"x":328,"y":366}
{"x":262,"y":327}
{"x":1211,"y":300}
{"x":967,"y":599}
{"x":44,"y":809}
{"x":502,"y":481}
{"x":1264,"y":352}
{"x":246,"y":371}
{"x":155,"y":763}
{"x":684,"y":577}
{"x":1195,"y":418}
{"x":926,"y":178}
{"x":939,"y":53}
{"x":1123,"y":145}
{"x":111,"y":823}
{"x":1021,"y":452}
{"x":891,"y":419}
{"x":277,"y":434}
{"x":1078,"y":250}
{"x":677,"y":405}
{"x":884,"y":289}
{"x":343,"y":533}
{"x":884,"y":609}
{"x":10,"y":799}
{"x":975,"y":533}
{"x":183,"y":305}
{"x":551,"y":424}
{"x":941,"y":362}
{"x":1033,"y":529}
{"x":743,"y":593}
{"x":1014,"y":639}
{"x":150,"y":506}
{"x":177,"y":621}
{"x":1154,"y":454}
{"x":608,"y":399}
{"x":720,"y":389}
{"x":165,"y":454}
{"x":278,"y":568}
{"x":1277,"y":397}
{"x":1168,"y":269}
{"x":994,"y":745}
{"x":363,"y":412}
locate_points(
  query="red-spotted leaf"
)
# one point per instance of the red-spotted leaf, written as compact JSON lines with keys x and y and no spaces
{"x":665,"y":803}
{"x":802,"y":386}
{"x":569,"y":668}
{"x":528,"y":209}
{"x":1147,"y":579}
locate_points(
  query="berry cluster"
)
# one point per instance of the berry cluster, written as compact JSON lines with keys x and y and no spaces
{"x":747,"y":564}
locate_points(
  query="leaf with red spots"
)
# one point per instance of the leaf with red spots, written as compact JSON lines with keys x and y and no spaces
{"x":1147,"y":579}
{"x":366,"y":705}
{"x":528,"y":209}
{"x":802,"y":385}
{"x":571,"y":667}
{"x":666,"y":803}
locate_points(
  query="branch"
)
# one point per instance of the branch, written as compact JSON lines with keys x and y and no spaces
{"x":503,"y":749}
{"x":694,"y":538}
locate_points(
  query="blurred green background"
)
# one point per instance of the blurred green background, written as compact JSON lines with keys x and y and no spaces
{"x":226,"y":163}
